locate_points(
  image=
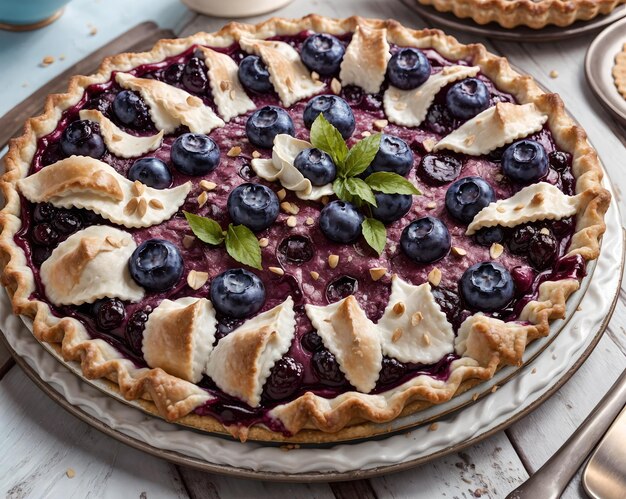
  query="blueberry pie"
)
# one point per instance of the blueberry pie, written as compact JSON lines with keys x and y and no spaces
{"x":535,"y":14}
{"x":296,"y":229}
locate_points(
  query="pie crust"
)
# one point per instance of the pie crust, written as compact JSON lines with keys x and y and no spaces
{"x":535,"y":14}
{"x":485,"y":344}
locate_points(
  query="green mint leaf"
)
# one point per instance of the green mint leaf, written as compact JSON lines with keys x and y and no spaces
{"x":361,"y":155}
{"x":391,"y":183}
{"x":360,"y":191}
{"x":339,"y":186}
{"x":205,"y":229}
{"x":375,"y":234}
{"x":243,"y":246}
{"x":326,"y":137}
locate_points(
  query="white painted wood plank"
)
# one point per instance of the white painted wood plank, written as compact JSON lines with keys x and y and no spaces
{"x":541,"y":433}
{"x":206,"y":485}
{"x":40,"y":442}
{"x":488,"y":469}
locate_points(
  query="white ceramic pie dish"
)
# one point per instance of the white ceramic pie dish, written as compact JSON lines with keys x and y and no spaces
{"x":531,"y":385}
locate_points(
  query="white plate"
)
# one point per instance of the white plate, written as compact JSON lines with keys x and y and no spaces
{"x":531,"y":386}
{"x":599,"y":62}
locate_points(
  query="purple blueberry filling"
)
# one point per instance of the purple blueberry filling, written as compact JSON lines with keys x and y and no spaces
{"x":533,"y":253}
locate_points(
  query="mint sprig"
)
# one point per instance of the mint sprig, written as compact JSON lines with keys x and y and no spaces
{"x":351,"y":163}
{"x":375,"y":234}
{"x":240,"y":242}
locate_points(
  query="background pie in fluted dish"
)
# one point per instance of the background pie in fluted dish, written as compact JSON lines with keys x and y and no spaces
{"x":531,"y":13}
{"x":299,"y":229}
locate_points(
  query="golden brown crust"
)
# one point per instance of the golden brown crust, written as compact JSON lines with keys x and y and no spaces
{"x":535,"y":14}
{"x":175,"y":398}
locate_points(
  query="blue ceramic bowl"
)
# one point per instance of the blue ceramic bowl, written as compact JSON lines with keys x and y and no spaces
{"x":25,"y":12}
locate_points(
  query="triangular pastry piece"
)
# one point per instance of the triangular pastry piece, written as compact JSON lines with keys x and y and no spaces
{"x":540,"y":201}
{"x":409,"y":107}
{"x":171,"y":107}
{"x":241,"y":362}
{"x":352,"y":338}
{"x":228,"y":93}
{"x":365,"y":61}
{"x":120,"y":143}
{"x":91,"y":264}
{"x":494,"y":127}
{"x":290,"y":77}
{"x":484,"y":338}
{"x":85,"y":182}
{"x":281,"y":168}
{"x":413,"y":327}
{"x":179,"y":336}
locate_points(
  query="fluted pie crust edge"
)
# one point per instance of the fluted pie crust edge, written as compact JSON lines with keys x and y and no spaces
{"x":534,"y":14}
{"x":316,"y":419}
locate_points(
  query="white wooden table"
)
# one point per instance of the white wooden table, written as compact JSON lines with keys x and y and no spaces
{"x":39,"y":441}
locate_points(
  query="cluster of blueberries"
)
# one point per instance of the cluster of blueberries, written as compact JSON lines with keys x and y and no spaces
{"x":157,"y":264}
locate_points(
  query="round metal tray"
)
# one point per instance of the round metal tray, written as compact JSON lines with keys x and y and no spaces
{"x":599,"y":62}
{"x":520,"y":34}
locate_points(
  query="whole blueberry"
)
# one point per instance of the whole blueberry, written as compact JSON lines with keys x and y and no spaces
{"x":316,"y":165}
{"x":130,"y":109}
{"x":467,"y":196}
{"x":487,"y":286}
{"x":156,"y":265}
{"x":391,"y":207}
{"x":489,"y":235}
{"x":322,"y":53}
{"x":237,"y":293}
{"x":266,"y":123}
{"x":326,"y":368}
{"x":253,"y":205}
{"x":195,"y":154}
{"x":408,"y":68}
{"x":525,"y":161}
{"x":152,"y":172}
{"x":194,"y":76}
{"x":81,"y":139}
{"x":284,"y":379}
{"x":253,"y":74}
{"x":335,"y":110}
{"x":341,"y":222}
{"x":467,"y":98}
{"x":394,"y":155}
{"x":109,"y":313}
{"x":425,"y":240}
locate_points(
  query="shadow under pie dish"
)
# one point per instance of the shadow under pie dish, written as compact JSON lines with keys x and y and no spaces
{"x":339,"y":325}
{"x":534,"y":14}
